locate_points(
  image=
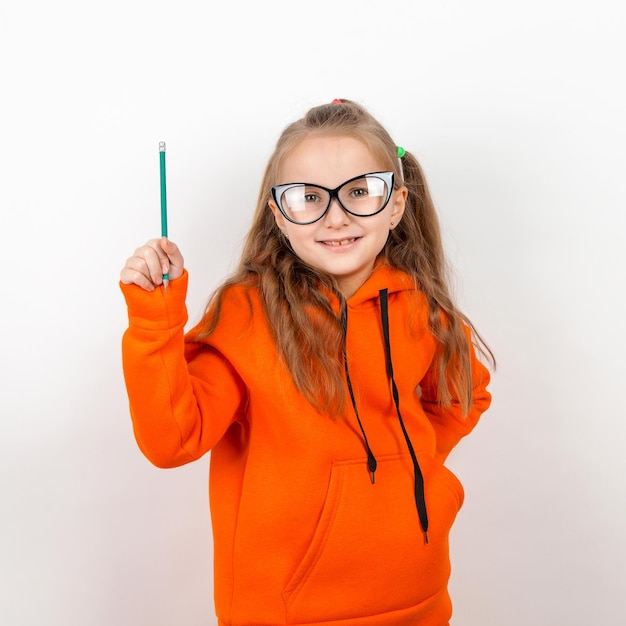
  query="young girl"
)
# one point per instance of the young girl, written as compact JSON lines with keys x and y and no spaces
{"x":330,"y":378}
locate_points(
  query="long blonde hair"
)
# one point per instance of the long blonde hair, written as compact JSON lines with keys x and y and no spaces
{"x":307,"y":331}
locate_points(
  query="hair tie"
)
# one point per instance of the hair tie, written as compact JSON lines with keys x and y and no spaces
{"x":336,"y":101}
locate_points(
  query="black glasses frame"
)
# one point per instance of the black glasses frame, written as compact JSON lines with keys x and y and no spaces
{"x":387,"y":177}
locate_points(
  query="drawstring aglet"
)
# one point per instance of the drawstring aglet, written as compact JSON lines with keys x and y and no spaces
{"x":425,"y":537}
{"x":372,"y":465}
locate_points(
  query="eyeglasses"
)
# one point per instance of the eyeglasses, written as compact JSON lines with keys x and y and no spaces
{"x":362,"y":196}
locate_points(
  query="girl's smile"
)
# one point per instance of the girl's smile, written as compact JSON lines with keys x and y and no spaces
{"x":340,"y":243}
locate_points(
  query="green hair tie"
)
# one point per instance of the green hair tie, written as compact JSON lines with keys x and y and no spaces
{"x":401,"y":152}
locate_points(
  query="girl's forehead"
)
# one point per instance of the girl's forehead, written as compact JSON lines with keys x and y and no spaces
{"x":328,"y":160}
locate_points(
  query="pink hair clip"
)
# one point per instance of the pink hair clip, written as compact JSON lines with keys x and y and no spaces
{"x":336,"y":101}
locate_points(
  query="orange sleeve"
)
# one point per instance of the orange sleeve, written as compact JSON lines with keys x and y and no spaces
{"x":180,"y":409}
{"x":448,"y":420}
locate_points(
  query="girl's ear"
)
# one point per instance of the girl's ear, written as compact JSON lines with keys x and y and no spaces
{"x":398,"y":200}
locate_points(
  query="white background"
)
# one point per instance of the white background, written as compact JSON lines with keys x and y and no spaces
{"x":516,"y":111}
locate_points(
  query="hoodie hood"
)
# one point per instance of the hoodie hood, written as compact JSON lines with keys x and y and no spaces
{"x":383,"y":277}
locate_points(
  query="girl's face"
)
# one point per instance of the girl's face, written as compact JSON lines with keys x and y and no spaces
{"x":342,"y":245}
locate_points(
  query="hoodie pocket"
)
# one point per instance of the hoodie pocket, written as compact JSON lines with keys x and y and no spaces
{"x":367,"y":555}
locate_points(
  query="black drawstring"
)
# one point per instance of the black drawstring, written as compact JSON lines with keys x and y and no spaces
{"x":420,"y":500}
{"x":371,"y":459}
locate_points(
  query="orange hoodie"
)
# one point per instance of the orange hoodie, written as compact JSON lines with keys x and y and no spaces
{"x":302,"y":535}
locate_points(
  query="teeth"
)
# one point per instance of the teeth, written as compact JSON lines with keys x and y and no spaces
{"x":343,"y":242}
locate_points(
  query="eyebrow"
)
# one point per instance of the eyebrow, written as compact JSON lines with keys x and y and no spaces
{"x":339,"y":185}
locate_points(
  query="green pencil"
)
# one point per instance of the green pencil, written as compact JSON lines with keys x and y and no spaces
{"x":166,"y":277}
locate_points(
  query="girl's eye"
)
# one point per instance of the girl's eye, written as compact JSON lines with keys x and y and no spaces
{"x":311,"y":197}
{"x":359,"y":192}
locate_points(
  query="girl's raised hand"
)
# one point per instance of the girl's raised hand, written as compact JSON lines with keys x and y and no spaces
{"x":148,"y":263}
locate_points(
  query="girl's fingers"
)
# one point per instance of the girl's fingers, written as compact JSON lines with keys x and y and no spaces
{"x":143,"y":268}
{"x":150,"y":262}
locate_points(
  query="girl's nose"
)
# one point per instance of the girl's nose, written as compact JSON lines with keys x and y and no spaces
{"x":336,"y":216}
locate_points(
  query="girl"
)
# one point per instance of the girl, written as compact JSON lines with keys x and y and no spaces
{"x":330,"y":378}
